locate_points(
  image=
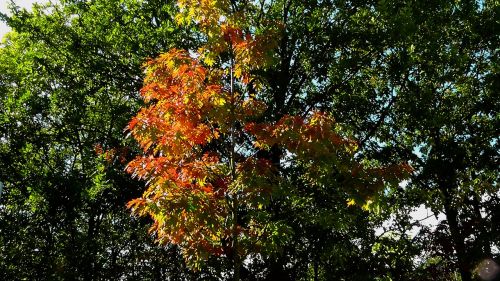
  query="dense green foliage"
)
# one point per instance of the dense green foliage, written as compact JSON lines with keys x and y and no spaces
{"x":412,"y":81}
{"x":69,"y":80}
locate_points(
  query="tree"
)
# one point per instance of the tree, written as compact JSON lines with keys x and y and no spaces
{"x":431,"y":100}
{"x":215,"y":155}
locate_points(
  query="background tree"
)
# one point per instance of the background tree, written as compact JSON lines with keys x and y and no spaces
{"x":70,"y":73}
{"x":429,"y":95}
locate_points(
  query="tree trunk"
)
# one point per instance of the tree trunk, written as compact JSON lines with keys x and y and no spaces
{"x":456,"y":235}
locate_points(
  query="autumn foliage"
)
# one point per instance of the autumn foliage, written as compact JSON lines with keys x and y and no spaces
{"x":204,"y":134}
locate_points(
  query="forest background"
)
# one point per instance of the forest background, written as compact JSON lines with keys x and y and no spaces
{"x":409,"y":82}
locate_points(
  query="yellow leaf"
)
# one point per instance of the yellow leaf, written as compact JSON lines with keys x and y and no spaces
{"x":209,"y":60}
{"x":367,"y":206}
{"x":219,"y":101}
{"x":237,"y":72}
{"x":351,"y":202}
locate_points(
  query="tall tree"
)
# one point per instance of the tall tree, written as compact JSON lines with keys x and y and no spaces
{"x":218,"y":161}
